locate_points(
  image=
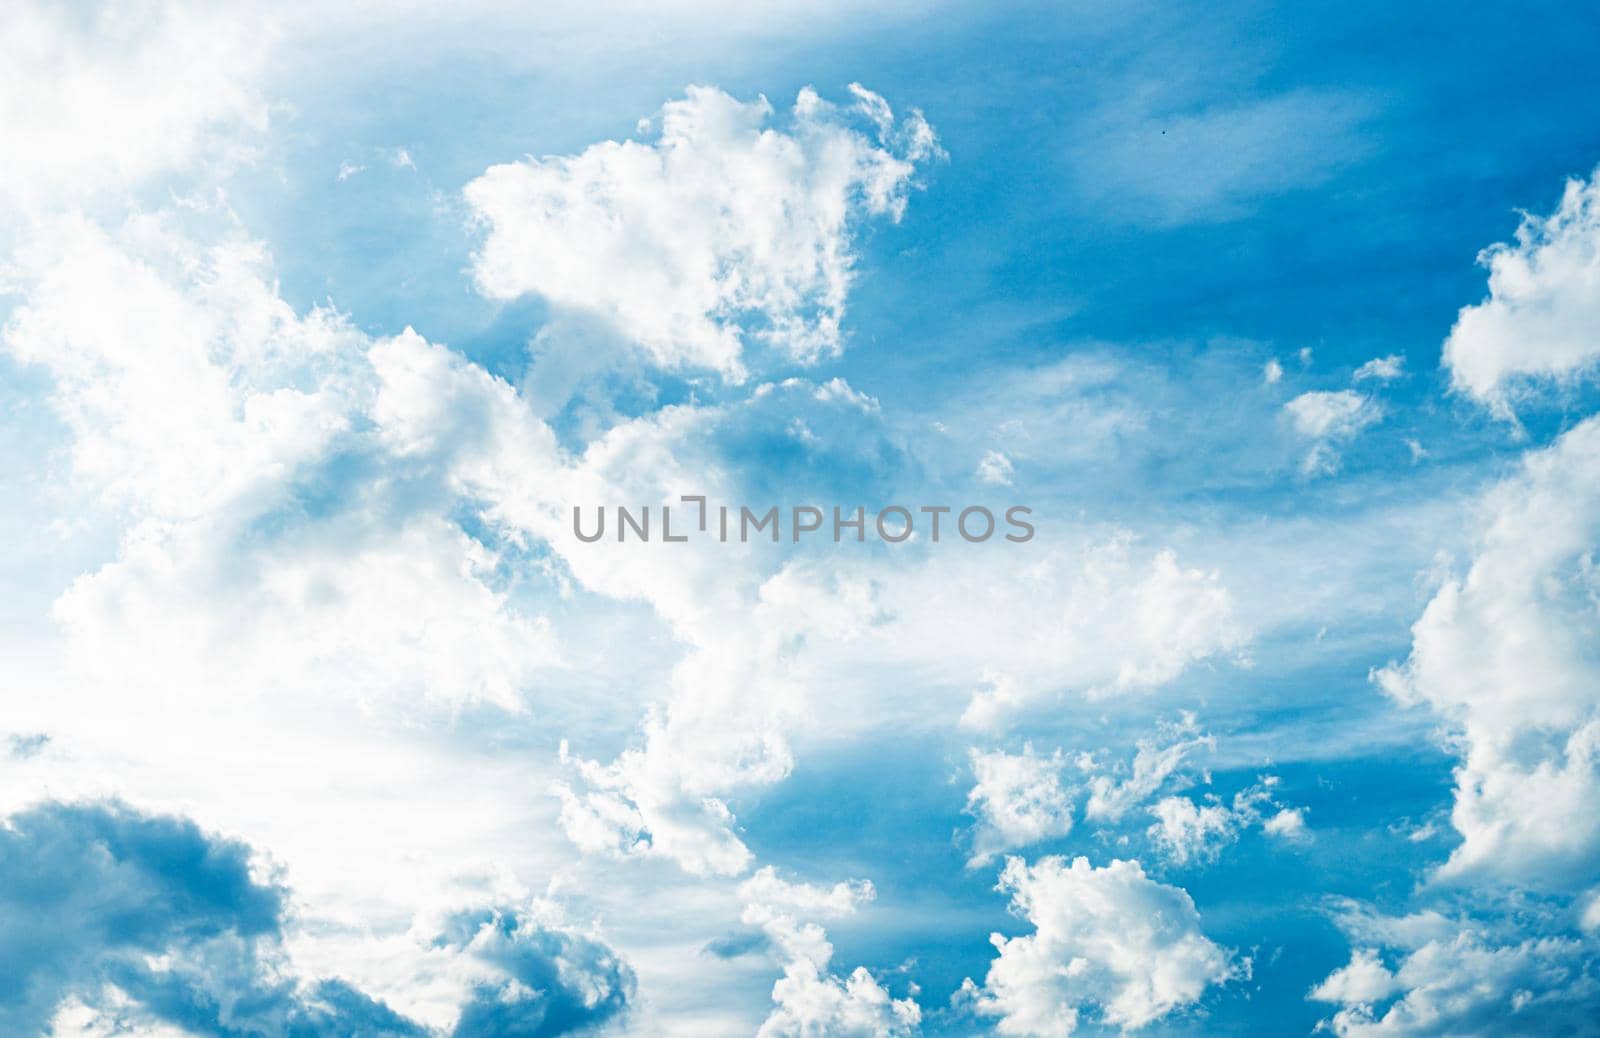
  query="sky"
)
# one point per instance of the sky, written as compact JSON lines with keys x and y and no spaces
{"x":317,"y":329}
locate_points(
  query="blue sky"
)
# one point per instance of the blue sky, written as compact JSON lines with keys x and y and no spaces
{"x":314,"y":329}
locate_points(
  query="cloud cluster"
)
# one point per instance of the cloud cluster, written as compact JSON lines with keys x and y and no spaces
{"x":305,"y":513}
{"x":1103,"y":621}
{"x":1455,"y":978}
{"x":308,"y":513}
{"x":1021,"y":799}
{"x":1504,"y":655}
{"x":1187,"y":831}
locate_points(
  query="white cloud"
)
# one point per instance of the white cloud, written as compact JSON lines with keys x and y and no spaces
{"x":1327,"y":417}
{"x":812,"y":1003}
{"x":1331,"y":415}
{"x":1505,"y":655}
{"x":287,"y":574}
{"x":1589,"y":918}
{"x":1384,"y":369}
{"x":1364,"y":980}
{"x":1272,"y":372}
{"x":186,"y":381}
{"x":995,"y":469}
{"x":723,"y":229}
{"x":1463,"y":983}
{"x":1155,"y":761}
{"x":196,"y":397}
{"x":838,"y":389}
{"x":1104,"y":619}
{"x":1018,"y":800}
{"x":810,"y":1000}
{"x":1108,"y":940}
{"x":293,"y":500}
{"x":405,"y":617}
{"x":1287,"y":824}
{"x":1543,"y":307}
{"x":96,"y":100}
{"x":734,"y":697}
{"x":1185,"y":831}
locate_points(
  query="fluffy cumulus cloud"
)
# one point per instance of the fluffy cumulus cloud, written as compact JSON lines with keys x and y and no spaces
{"x":725,"y":724}
{"x":1110,"y":946}
{"x":294,"y":528}
{"x":306,"y":513}
{"x":1506,"y":654}
{"x":809,"y":999}
{"x":295,"y":525}
{"x":1363,"y":981}
{"x":1017,"y":799}
{"x":1589,"y":920}
{"x":1539,"y":320}
{"x":722,"y":229}
{"x":1287,"y":824}
{"x":1185,"y":830}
